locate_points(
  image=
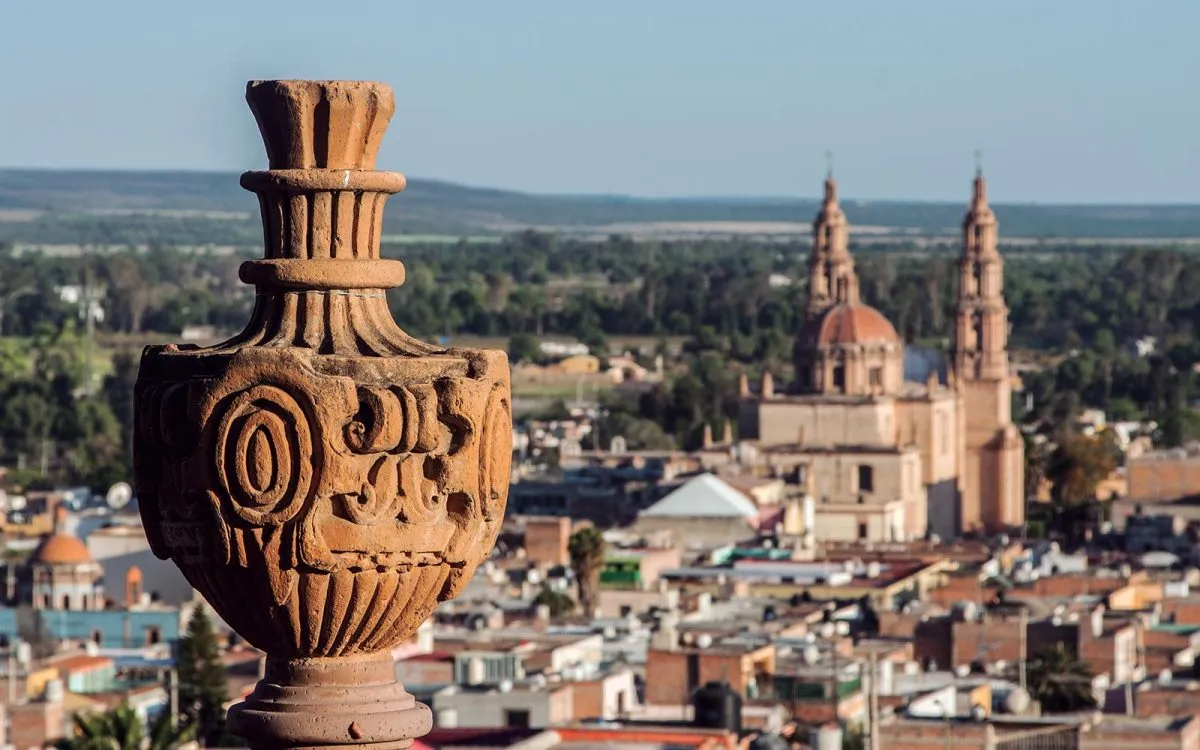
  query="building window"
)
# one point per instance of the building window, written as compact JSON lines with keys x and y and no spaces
{"x":866,"y":478}
{"x":516,"y":719}
{"x":862,"y":531}
{"x":66,"y":604}
{"x":839,"y":378}
{"x":876,"y":377}
{"x":98,"y":637}
{"x":153,"y":635}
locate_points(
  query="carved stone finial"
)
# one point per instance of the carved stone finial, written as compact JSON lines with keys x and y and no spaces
{"x":767,"y":389}
{"x":323,"y":478}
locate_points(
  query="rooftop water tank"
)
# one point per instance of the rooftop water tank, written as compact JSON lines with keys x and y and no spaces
{"x":1017,"y":701}
{"x":717,"y":706}
{"x":828,"y":736}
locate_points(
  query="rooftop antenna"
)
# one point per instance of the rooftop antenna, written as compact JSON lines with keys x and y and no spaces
{"x":978,"y":162}
{"x":828,"y":165}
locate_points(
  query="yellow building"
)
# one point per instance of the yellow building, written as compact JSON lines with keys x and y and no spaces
{"x":886,"y":458}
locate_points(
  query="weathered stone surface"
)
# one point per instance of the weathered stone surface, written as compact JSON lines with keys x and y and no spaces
{"x":323,"y":478}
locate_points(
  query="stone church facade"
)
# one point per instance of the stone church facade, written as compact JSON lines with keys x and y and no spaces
{"x":887,"y":459}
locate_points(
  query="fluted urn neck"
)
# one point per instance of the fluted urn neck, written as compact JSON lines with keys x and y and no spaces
{"x":321,"y":124}
{"x":321,"y":283}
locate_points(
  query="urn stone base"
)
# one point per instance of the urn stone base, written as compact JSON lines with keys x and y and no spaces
{"x":314,"y":703}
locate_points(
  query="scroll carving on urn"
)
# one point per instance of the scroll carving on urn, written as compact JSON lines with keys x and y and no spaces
{"x":323,"y":478}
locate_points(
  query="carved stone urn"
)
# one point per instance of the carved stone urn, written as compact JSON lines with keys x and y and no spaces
{"x":323,"y":479}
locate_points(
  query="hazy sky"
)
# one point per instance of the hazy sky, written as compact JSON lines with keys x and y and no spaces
{"x":1070,"y":100}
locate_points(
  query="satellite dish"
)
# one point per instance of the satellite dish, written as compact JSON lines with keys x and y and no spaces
{"x":119,"y":495}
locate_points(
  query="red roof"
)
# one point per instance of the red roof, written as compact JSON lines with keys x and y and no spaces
{"x":769,"y":516}
{"x":477,"y":736}
{"x":431,"y":656}
{"x":649,"y":735}
{"x":80,"y":663}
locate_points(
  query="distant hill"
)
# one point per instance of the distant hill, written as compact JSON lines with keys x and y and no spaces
{"x":431,"y":206}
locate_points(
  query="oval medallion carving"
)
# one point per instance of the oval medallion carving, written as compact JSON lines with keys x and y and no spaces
{"x":264,"y":455}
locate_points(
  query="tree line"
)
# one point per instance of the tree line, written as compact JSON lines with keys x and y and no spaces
{"x":737,"y":302}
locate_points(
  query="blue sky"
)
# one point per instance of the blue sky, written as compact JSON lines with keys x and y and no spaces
{"x":1070,"y":100}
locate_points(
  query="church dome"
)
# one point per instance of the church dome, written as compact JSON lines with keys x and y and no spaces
{"x":849,"y":324}
{"x":61,"y":549}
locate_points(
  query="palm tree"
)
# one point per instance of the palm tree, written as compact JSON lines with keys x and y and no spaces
{"x":1059,"y":681}
{"x":166,"y":734}
{"x":586,"y":549}
{"x":122,"y":729}
{"x":118,"y":729}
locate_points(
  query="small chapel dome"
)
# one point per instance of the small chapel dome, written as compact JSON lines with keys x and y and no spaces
{"x":61,"y":547}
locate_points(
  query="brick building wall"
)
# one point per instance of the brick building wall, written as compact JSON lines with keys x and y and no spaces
{"x":34,"y":725}
{"x":1159,"y":702}
{"x":1181,"y":736}
{"x":546,"y":540}
{"x":949,"y":643}
{"x":672,"y":676}
{"x":1157,"y":476}
{"x":1182,"y":611}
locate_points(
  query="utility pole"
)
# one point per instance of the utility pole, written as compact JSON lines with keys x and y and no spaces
{"x":1024,"y":625}
{"x":173,"y":693}
{"x":12,"y":676}
{"x":837,"y":683}
{"x":873,"y":703}
{"x":89,"y":327}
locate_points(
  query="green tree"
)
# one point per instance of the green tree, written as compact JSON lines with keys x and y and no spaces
{"x":14,"y":360}
{"x":1059,"y":681}
{"x":595,"y":340}
{"x":1035,"y":465}
{"x":523,"y":347}
{"x":586,"y":549}
{"x":26,"y":419}
{"x":99,"y":457}
{"x":1124,"y":409}
{"x":559,"y":603}
{"x":1077,"y":465}
{"x":165,"y":735}
{"x":118,"y":392}
{"x":854,"y":739}
{"x":118,"y":729}
{"x":122,"y":729}
{"x":640,"y":434}
{"x":202,"y":686}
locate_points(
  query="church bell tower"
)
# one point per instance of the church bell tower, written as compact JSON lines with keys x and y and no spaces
{"x":993,"y":488}
{"x":831,"y":276}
